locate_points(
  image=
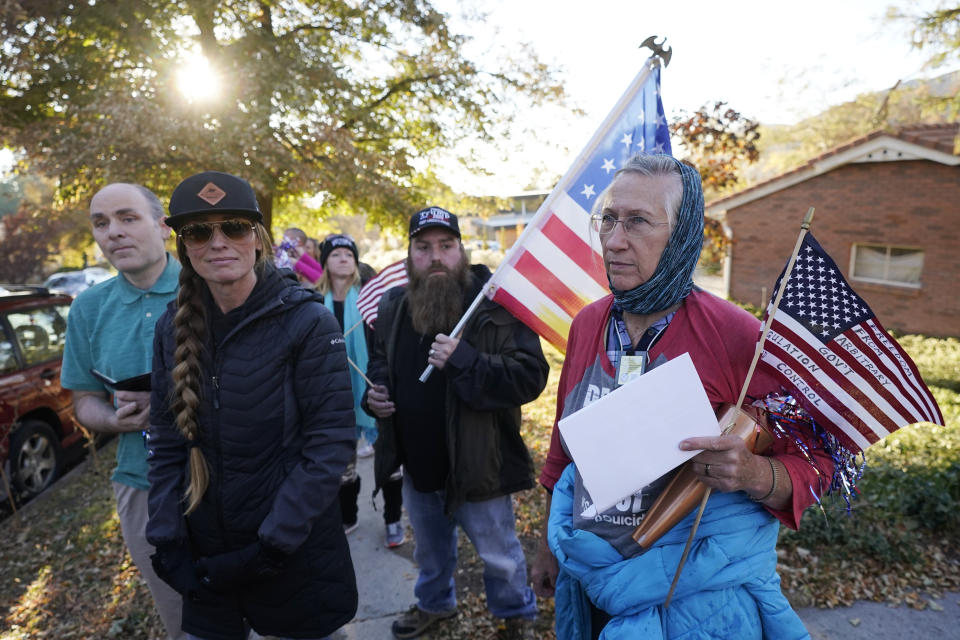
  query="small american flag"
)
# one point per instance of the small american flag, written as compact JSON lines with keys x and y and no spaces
{"x":826,"y":344}
{"x":369,"y":298}
{"x":556,"y":269}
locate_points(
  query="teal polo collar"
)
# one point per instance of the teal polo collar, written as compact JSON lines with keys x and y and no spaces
{"x":166,"y":283}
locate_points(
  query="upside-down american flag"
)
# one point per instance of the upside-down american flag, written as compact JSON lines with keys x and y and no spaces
{"x":555,"y":267}
{"x":826,"y":344}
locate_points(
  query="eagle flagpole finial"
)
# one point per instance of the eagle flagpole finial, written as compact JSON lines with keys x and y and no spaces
{"x":658,"y":49}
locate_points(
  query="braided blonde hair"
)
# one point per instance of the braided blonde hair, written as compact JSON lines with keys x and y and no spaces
{"x":190,"y":324}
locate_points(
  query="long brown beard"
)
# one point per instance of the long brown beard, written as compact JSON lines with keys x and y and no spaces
{"x":436,"y":302}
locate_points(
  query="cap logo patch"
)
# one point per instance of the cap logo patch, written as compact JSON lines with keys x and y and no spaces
{"x":212,"y":194}
{"x":435,"y":214}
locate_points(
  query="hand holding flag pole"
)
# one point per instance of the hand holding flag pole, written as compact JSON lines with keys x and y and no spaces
{"x":456,"y":330}
{"x":804,"y":228}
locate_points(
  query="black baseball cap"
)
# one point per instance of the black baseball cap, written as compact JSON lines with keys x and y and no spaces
{"x":433,"y":217}
{"x":212,"y":192}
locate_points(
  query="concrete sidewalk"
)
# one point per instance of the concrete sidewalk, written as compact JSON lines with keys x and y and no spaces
{"x":878,"y":621}
{"x":385,"y":577}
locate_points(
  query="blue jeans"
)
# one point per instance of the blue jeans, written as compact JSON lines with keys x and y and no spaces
{"x":490,"y":527}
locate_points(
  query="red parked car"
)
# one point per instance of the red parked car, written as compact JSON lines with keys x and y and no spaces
{"x":36,"y":415}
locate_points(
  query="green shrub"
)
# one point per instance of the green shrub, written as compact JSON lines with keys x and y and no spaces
{"x":912,"y":478}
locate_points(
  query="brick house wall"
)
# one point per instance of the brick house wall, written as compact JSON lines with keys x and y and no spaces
{"x":914,"y":204}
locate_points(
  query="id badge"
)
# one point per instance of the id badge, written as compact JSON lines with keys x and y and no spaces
{"x":632,"y":365}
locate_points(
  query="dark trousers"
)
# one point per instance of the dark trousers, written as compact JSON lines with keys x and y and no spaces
{"x":392,"y":500}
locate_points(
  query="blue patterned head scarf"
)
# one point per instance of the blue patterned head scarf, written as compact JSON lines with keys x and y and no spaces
{"x":673,"y":279}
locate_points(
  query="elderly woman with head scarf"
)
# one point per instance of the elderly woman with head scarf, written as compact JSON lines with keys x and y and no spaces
{"x":650,"y":223}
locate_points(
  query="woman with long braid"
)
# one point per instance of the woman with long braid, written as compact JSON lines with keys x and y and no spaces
{"x":252,"y":425}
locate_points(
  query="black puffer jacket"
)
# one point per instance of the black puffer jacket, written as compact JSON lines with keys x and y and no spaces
{"x":497,"y":367}
{"x":277,"y":430}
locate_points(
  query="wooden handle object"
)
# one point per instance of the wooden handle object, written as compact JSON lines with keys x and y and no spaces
{"x":685,"y":492}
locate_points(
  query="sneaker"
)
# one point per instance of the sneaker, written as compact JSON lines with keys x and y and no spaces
{"x":517,"y":629}
{"x":396,"y":535}
{"x":416,"y":621}
{"x":365,"y":450}
{"x":350,"y":528}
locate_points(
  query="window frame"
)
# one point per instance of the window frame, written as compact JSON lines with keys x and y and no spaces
{"x":886,"y":265}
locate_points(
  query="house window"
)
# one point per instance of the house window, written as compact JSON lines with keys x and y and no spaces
{"x":886,"y":264}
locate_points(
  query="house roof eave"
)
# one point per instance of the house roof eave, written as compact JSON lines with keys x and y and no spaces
{"x":875,"y":147}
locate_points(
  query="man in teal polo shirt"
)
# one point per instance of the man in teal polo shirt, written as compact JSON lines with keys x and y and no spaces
{"x":110,"y":330}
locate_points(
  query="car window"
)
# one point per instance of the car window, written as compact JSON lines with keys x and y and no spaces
{"x":8,"y":359}
{"x":40,"y":332}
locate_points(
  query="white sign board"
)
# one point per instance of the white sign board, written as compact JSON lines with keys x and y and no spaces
{"x":629,"y":437}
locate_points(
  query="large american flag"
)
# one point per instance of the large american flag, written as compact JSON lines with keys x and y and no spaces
{"x":826,"y":344}
{"x":555,"y":267}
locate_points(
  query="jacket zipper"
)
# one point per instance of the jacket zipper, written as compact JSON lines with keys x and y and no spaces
{"x":224,"y":533}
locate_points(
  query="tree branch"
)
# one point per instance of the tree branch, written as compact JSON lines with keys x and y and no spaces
{"x":403,"y":84}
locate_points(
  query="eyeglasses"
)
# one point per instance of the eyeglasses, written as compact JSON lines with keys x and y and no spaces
{"x":198,"y":234}
{"x":634,"y":226}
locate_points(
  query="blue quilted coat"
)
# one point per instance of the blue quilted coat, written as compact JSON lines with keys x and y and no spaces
{"x":729,"y":587}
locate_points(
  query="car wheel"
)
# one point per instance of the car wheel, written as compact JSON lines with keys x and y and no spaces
{"x":35,"y":458}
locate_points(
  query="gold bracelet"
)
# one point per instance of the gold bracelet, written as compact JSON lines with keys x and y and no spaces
{"x":773,"y":486}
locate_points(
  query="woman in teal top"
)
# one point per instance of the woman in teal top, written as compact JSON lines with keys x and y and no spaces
{"x":339,"y":284}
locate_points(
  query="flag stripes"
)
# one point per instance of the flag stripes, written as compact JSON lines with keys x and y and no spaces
{"x":853,"y":433}
{"x":888,"y":399}
{"x":368,"y":300}
{"x":534,"y":271}
{"x":906,"y":373}
{"x":538,"y":316}
{"x":827,"y":382}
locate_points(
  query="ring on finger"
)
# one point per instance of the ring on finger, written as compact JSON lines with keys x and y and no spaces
{"x":432,"y":351}
{"x":706,"y":470}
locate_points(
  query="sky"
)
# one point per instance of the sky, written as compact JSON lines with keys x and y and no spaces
{"x":774,"y":62}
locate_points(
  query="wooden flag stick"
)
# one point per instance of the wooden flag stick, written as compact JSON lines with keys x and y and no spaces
{"x":362,"y":374}
{"x":347,"y":332}
{"x":804,"y":228}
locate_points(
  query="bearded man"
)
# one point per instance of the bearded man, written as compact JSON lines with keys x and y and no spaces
{"x":457,"y":435}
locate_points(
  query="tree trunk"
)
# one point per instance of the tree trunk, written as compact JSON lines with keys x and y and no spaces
{"x":266,"y":206}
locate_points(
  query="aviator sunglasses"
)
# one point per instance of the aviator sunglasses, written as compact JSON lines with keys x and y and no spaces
{"x":198,"y":234}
